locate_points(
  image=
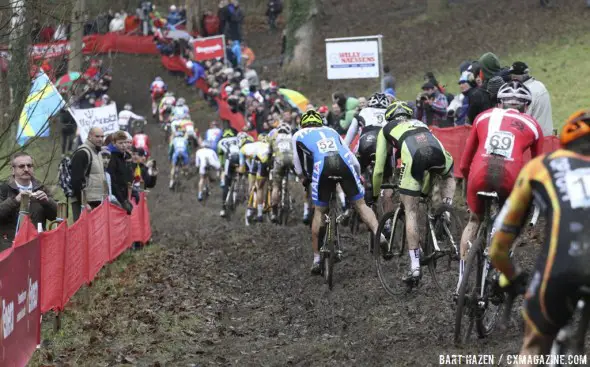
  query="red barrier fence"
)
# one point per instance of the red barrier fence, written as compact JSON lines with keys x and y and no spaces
{"x":455,"y":138}
{"x":42,"y":271}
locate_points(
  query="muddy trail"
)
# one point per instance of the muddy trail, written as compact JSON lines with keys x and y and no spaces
{"x":211,"y":292}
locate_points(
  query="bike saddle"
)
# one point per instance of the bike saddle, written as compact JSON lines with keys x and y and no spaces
{"x":490,"y":194}
{"x":335,"y":178}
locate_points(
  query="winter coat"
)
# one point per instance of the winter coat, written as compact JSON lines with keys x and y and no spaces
{"x":121,"y":174}
{"x":540,"y":108}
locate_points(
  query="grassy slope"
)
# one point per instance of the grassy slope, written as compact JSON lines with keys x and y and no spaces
{"x":561,"y":65}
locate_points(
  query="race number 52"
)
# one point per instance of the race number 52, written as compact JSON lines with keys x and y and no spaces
{"x":327,"y":145}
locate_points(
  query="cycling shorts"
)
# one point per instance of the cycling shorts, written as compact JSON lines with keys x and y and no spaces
{"x":414,"y":175}
{"x":207,"y":169}
{"x":322,"y":187}
{"x":182,"y":154}
{"x":157,"y":93}
{"x":257,"y":168}
{"x":281,"y":166}
{"x":495,"y":174}
{"x":230,"y":163}
{"x":367,"y":146}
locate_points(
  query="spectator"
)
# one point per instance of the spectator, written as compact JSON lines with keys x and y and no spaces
{"x":68,"y":130}
{"x":143,"y":13}
{"x":105,"y":156}
{"x":348,"y":106}
{"x":362,"y":103}
{"x":260,"y":117}
{"x":89,"y":26}
{"x":143,"y":172}
{"x":490,"y":65}
{"x":237,"y":51}
{"x":540,"y":108}
{"x":182,"y":14}
{"x":431,"y":105}
{"x":248,"y":56}
{"x":87,"y":172}
{"x":197,"y":70}
{"x":231,"y":57}
{"x":23,"y":183}
{"x":120,"y":172}
{"x":46,"y":34}
{"x":478,"y":98}
{"x":235,"y":17}
{"x":35,"y":31}
{"x":173,"y":17}
{"x":252,"y":76}
{"x":273,"y":10}
{"x":210,"y":24}
{"x":117,"y":25}
{"x":102,"y":23}
{"x":388,"y":80}
{"x":222,"y":14}
{"x":494,"y":85}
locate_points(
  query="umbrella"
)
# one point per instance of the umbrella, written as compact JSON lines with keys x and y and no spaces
{"x":177,"y":34}
{"x":294,"y":98}
{"x":68,"y":79}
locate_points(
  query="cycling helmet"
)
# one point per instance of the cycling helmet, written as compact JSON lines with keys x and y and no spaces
{"x":514,"y":93}
{"x":263,"y":138}
{"x":378,"y":100}
{"x":245,"y":140}
{"x":128,"y":107}
{"x":398,"y":111}
{"x":158,"y":79}
{"x":284,"y":129}
{"x":228,"y":133}
{"x":242,"y":135}
{"x":206,"y":144}
{"x":311,"y":119}
{"x":576,"y":126}
{"x":181,"y":101}
{"x":169,"y":94}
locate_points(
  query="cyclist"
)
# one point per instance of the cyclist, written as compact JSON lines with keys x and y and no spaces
{"x":213,"y":134}
{"x":422,"y":154}
{"x":319,"y":154}
{"x":228,"y":151}
{"x":559,"y":182}
{"x":180,"y":110}
{"x":258,"y":155}
{"x":371,"y":119}
{"x":190,"y":132}
{"x":126,"y":115}
{"x":178,"y":149}
{"x":493,"y":155}
{"x":205,"y":159}
{"x":141,"y":141}
{"x":282,"y":154}
{"x":157,"y":90}
{"x":166,"y":105}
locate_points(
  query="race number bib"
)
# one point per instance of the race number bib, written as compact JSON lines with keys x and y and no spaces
{"x":179,"y":145}
{"x":500,"y":143}
{"x":284,"y":145}
{"x":578,"y":187}
{"x":327,"y":145}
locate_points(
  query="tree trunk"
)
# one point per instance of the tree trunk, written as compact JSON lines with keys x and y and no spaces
{"x":194,"y":9}
{"x":19,"y":67}
{"x":77,"y":33}
{"x":300,"y":34}
{"x":435,"y":7}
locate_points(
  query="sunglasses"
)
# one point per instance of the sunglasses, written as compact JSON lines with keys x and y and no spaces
{"x":22,"y":166}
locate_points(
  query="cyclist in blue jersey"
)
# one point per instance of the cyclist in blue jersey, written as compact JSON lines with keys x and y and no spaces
{"x":178,"y":149}
{"x":319,"y":154}
{"x":213,"y":134}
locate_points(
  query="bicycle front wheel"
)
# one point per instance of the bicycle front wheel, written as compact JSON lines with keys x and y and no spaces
{"x":467,"y":314}
{"x":391,"y":259}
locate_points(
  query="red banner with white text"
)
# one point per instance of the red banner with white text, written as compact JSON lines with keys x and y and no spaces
{"x":209,"y":48}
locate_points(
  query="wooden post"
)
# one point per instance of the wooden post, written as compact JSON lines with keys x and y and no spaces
{"x":57,"y":321}
{"x":24,"y":210}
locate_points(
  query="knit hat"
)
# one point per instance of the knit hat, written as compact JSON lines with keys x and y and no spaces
{"x":464,"y":66}
{"x":519,"y":68}
{"x":427,"y":85}
{"x":490,"y":65}
{"x":494,"y":85}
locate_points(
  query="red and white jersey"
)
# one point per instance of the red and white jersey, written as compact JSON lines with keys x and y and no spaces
{"x":141,"y":141}
{"x":158,"y":87}
{"x":499,"y":132}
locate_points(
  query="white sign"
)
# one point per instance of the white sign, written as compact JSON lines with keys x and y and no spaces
{"x":104,"y":117}
{"x":352,"y":59}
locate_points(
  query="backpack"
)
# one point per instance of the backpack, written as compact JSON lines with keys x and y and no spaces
{"x":65,"y":173}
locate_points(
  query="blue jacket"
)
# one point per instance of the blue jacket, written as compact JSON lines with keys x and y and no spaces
{"x":173,"y":18}
{"x":198,"y":72}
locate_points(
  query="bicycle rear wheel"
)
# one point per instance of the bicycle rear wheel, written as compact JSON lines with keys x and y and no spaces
{"x":391,"y":271}
{"x":467,"y":314}
{"x":285,"y":206}
{"x":443,"y":267}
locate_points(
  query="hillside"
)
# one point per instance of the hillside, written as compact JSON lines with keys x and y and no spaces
{"x":413,"y":44}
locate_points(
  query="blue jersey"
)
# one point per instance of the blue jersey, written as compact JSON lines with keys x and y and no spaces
{"x":213,"y":135}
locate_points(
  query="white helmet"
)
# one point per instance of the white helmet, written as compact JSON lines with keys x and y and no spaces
{"x":284,"y":129}
{"x":378,"y":100}
{"x":180,"y":102}
{"x":172,"y":7}
{"x":515,"y":93}
{"x":158,"y":79}
{"x":128,"y":107}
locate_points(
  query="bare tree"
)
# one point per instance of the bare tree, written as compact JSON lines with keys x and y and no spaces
{"x":78,"y":13}
{"x":301,"y":28}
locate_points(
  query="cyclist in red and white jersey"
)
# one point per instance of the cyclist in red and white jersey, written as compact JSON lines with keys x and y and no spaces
{"x":494,"y":152}
{"x":157,"y":90}
{"x":141,"y":140}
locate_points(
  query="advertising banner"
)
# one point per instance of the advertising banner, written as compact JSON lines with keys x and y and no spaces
{"x":19,"y":298}
{"x":104,"y":117}
{"x":209,"y":48}
{"x":352,"y":59}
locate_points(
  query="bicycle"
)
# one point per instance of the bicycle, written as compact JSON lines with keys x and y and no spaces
{"x":330,"y":250}
{"x":232,"y":199}
{"x":480,"y":302}
{"x":285,"y":202}
{"x":176,"y":170}
{"x":570,"y":339}
{"x":252,"y":200}
{"x":440,"y":238}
